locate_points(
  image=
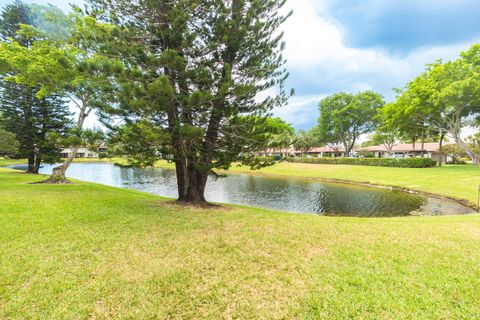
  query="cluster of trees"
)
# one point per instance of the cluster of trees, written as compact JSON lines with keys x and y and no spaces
{"x":183,"y":78}
{"x":344,"y":118}
{"x":30,"y":124}
{"x":180,"y":77}
{"x":435,"y":106}
{"x":440,"y":102}
{"x":43,"y":70}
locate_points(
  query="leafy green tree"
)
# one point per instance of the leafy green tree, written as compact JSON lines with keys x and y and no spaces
{"x":93,"y":138}
{"x":473,"y":143}
{"x":304,"y":141}
{"x":195,"y":71}
{"x":141,"y":142}
{"x":445,"y":98}
{"x":63,"y":66}
{"x":409,"y":123}
{"x":12,"y":16}
{"x":345,"y":117}
{"x":8,"y":144}
{"x":455,"y":152}
{"x":283,"y":134}
{"x":383,"y":137}
{"x":34,"y":121}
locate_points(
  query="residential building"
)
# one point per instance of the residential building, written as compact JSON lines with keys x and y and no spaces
{"x":429,"y":150}
{"x":84,"y":152}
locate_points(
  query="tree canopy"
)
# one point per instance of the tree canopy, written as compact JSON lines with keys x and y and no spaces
{"x":305,"y":140}
{"x":444,"y":99}
{"x":64,"y":63}
{"x":194,"y":71}
{"x":8,"y":144}
{"x":344,"y":117}
{"x":37,"y":120}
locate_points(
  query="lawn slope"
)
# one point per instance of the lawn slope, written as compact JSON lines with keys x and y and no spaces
{"x":90,"y":251}
{"x":9,"y":162}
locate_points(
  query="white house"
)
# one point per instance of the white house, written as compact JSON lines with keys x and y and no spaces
{"x":84,"y":152}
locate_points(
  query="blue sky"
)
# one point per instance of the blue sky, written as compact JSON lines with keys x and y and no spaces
{"x":352,"y":45}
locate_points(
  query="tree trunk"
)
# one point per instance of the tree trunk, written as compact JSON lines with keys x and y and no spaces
{"x":423,"y":143}
{"x":182,"y":179}
{"x":31,"y":163}
{"x":38,"y":161}
{"x":442,"y":137}
{"x":27,"y":127}
{"x":463,"y":145}
{"x":58,"y":173}
{"x":350,"y":146}
{"x":197,"y":181}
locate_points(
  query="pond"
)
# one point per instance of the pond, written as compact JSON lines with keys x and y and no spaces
{"x":282,"y":194}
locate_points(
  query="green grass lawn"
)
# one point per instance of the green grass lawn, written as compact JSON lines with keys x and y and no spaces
{"x":8,"y":162}
{"x":90,"y":251}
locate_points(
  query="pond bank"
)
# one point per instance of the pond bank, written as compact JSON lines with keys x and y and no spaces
{"x":455,"y":182}
{"x":288,"y":194}
{"x":452,"y":182}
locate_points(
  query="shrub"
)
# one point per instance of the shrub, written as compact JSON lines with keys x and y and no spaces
{"x":382,"y":162}
{"x":368,"y":155}
{"x":457,"y":161}
{"x":103,"y":155}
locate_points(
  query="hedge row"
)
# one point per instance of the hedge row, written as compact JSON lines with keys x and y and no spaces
{"x":377,"y":162}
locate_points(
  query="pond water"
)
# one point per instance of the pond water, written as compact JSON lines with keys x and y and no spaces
{"x":282,"y":194}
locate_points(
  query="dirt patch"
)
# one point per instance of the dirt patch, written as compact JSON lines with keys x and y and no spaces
{"x":54,"y":180}
{"x":204,"y":207}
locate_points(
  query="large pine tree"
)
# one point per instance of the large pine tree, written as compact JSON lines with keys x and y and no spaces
{"x":34,"y":121}
{"x":195,"y":71}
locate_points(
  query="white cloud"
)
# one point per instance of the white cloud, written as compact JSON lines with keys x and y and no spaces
{"x":300,"y":110}
{"x":62,"y":4}
{"x":320,"y":63}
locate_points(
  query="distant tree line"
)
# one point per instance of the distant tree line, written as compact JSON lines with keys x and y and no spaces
{"x":184,"y":79}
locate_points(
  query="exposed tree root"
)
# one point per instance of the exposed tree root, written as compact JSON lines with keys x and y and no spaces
{"x":203,"y":206}
{"x":56,"y":179}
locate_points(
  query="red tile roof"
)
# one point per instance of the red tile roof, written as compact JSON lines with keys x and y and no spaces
{"x":401,"y":147}
{"x":326,"y":149}
{"x":405,"y":147}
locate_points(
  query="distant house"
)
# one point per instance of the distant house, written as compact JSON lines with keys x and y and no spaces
{"x":327,"y":152}
{"x":316,"y":151}
{"x":429,"y":150}
{"x":84,"y":152}
{"x":102,"y":149}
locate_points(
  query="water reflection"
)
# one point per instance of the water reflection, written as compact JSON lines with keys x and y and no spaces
{"x":283,"y":194}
